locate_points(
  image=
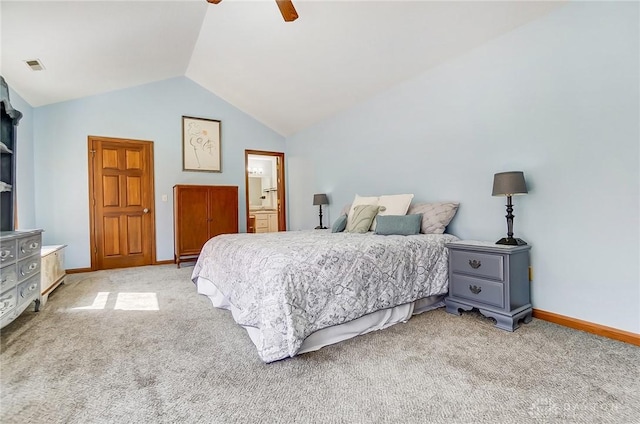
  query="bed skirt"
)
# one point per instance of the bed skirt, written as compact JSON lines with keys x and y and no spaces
{"x":327,"y":336}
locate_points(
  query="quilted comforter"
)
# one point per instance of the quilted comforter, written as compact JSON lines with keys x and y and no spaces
{"x":291,"y":284}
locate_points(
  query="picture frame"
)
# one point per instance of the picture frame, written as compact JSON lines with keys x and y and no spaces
{"x":201,"y":146}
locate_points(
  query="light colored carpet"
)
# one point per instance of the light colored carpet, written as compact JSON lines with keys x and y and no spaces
{"x":85,"y":358}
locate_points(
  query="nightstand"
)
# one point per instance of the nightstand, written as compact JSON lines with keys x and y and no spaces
{"x":491,"y":277}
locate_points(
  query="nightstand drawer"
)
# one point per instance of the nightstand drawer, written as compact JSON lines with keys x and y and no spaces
{"x":480,"y":291}
{"x":480,"y":264}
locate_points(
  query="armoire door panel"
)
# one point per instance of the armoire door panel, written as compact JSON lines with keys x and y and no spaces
{"x":193,"y":226}
{"x":221,"y":202}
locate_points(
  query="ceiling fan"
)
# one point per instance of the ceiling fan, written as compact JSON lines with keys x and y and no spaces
{"x":286,"y":9}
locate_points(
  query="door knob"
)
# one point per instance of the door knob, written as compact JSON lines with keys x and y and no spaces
{"x":145,"y":210}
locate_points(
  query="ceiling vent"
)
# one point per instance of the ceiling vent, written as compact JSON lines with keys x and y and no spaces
{"x":34,"y":64}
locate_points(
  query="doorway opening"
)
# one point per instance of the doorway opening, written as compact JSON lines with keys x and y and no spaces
{"x":264,"y":189}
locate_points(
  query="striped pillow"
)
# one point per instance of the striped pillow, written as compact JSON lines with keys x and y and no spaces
{"x":361,"y":218}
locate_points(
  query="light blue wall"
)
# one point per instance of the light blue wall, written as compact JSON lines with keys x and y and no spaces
{"x":558,"y":99}
{"x":148,"y":112}
{"x":25,"y":183}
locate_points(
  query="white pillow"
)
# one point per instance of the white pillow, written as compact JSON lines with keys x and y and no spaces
{"x":360,"y":200}
{"x":396,"y":204}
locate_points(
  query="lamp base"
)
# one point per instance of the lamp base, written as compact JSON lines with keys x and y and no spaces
{"x":319,"y":227}
{"x":511,"y":241}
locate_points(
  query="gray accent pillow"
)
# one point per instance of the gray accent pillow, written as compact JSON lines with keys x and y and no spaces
{"x":404,"y":225}
{"x":339,"y":224}
{"x":361,"y":218}
{"x":435,"y":216}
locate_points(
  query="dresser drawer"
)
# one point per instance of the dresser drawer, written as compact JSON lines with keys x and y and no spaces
{"x":480,"y":291}
{"x":8,"y":301}
{"x":29,"y":246}
{"x":7,"y":318}
{"x":8,"y":277}
{"x":29,"y":290}
{"x":7,"y":251}
{"x":478,"y":264}
{"x":28,"y":267}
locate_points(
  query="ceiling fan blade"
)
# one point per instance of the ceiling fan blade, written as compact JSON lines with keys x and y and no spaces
{"x":288,"y":11}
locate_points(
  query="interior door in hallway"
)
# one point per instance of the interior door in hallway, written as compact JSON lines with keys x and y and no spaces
{"x":121,"y":200}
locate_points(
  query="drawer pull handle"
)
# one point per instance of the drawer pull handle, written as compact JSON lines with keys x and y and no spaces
{"x":475,"y":289}
{"x":32,"y":266}
{"x":32,"y":246}
{"x":475,"y":264}
{"x":5,"y":254}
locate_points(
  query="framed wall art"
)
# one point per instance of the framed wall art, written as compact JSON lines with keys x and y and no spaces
{"x":201,"y":145}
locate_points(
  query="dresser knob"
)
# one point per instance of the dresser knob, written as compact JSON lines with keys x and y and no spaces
{"x":475,"y":289}
{"x":475,"y":264}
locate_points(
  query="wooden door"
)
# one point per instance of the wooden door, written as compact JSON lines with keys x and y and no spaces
{"x":121,"y":200}
{"x":223,"y":210}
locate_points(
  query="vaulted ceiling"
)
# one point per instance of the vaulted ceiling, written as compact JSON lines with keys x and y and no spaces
{"x":286,"y":75}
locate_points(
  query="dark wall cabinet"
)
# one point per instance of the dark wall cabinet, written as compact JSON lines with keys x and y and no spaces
{"x":200,"y":213}
{"x":9,"y":120}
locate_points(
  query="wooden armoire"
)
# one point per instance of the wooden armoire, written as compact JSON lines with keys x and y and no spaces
{"x":201,"y":212}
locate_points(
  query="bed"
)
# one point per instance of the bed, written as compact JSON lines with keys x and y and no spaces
{"x":298,"y":291}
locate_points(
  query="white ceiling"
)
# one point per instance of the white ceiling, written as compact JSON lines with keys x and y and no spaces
{"x":286,"y":75}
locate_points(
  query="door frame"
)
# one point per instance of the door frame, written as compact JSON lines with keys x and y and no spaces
{"x":282,"y":206}
{"x":92,"y":218}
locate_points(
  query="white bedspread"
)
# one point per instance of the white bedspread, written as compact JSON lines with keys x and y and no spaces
{"x":288,"y":285}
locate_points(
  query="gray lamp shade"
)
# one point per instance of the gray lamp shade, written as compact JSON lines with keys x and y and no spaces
{"x":320,"y":199}
{"x":509,"y":183}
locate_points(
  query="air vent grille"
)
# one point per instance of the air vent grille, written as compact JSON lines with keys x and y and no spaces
{"x":34,"y":64}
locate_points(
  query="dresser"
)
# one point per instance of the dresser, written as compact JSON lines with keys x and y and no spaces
{"x":492,"y":278}
{"x":201,"y":212}
{"x":19,"y":273}
{"x":53,"y":272}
